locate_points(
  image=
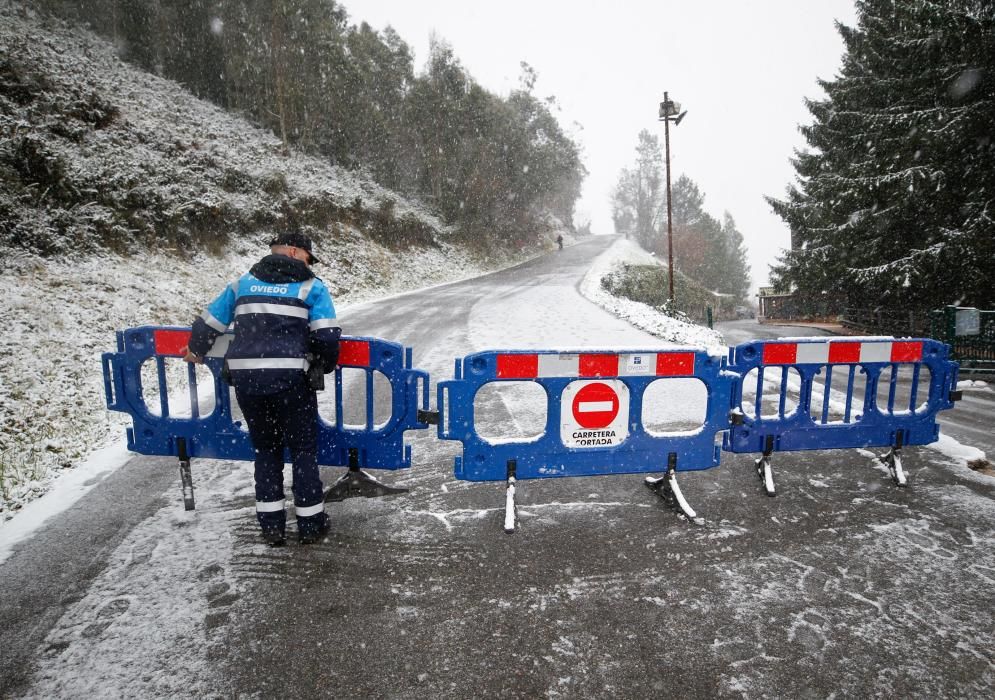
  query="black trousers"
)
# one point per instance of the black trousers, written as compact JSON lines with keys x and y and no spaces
{"x":286,"y":419}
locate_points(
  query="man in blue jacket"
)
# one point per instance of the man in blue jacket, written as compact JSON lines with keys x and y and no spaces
{"x":284,"y":322}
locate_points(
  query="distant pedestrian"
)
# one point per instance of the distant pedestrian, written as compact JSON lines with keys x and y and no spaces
{"x":285,"y":325}
{"x":559,"y":240}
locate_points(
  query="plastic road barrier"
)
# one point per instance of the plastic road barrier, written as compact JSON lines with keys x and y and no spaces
{"x":201,"y":422}
{"x":594,"y":403}
{"x":594,"y":412}
{"x":818,"y":393}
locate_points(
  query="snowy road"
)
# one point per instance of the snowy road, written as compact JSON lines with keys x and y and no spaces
{"x":842,"y":584}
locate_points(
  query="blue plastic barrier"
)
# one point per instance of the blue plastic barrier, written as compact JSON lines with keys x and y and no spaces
{"x":828,"y":394}
{"x":594,"y":402}
{"x":218,"y":435}
{"x":816,"y":421}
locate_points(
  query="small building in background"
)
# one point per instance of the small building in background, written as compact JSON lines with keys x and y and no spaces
{"x":773,"y":304}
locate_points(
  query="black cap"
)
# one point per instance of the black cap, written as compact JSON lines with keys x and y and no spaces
{"x":297,"y":240}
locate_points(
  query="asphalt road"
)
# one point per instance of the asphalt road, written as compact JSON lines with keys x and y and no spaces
{"x":841,"y":585}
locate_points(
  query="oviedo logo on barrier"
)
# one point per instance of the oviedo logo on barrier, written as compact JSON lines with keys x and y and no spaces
{"x":595,"y":413}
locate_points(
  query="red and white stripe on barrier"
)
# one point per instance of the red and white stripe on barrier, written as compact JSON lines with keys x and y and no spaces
{"x":534,"y":366}
{"x":354,"y":353}
{"x":842,"y":352}
{"x":171,"y":342}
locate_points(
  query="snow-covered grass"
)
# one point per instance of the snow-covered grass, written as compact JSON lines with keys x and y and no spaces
{"x":639,"y":314}
{"x":158,"y":160}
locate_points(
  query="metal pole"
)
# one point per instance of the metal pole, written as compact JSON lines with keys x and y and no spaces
{"x":670,"y":231}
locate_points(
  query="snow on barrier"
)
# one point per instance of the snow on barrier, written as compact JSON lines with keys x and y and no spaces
{"x":204,"y":421}
{"x":593,"y":413}
{"x":817,"y":394}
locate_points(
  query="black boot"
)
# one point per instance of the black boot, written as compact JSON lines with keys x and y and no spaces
{"x":312,"y":535}
{"x":275,"y":538}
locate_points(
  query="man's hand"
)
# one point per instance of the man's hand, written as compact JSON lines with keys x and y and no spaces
{"x":190,"y":357}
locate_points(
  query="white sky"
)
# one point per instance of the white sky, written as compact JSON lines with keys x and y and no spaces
{"x":741,"y":69}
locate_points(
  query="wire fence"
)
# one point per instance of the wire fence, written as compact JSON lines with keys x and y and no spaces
{"x":970,"y":333}
{"x":888,"y":322}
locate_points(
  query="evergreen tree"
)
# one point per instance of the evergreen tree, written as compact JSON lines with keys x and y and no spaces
{"x":694,"y":231}
{"x":136,"y":31}
{"x":639,"y":195}
{"x":188,"y":42}
{"x":711,"y":253}
{"x":894,"y":204}
{"x":434,"y":113}
{"x":548,"y":172}
{"x":494,"y":166}
{"x":380,"y":76}
{"x":735,"y":278}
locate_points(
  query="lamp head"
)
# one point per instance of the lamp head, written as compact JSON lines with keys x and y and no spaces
{"x":669,"y":108}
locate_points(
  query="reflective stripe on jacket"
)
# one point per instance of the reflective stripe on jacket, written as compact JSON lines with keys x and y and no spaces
{"x":282,"y":315}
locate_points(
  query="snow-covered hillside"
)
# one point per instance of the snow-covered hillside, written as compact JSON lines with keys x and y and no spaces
{"x":135,"y":155}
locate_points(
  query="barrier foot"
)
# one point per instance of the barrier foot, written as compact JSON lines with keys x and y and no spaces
{"x":356,"y":482}
{"x":509,"y":499}
{"x":763,"y":467}
{"x":893,"y":460}
{"x":666,"y":487}
{"x":186,"y":476}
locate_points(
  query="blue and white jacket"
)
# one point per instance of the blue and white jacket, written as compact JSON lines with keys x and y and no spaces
{"x":282,"y":313}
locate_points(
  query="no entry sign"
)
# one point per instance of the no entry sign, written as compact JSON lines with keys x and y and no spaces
{"x":594,"y":413}
{"x":595,"y":405}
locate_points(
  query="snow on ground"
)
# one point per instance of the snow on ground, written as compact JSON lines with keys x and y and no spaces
{"x":165,"y":146}
{"x":520,"y":319}
{"x":53,"y":410}
{"x":170,"y":576}
{"x":173,"y":574}
{"x":638,"y":314}
{"x":65,"y":490}
{"x":178,"y":573}
{"x":974,"y":385}
{"x":959,"y":456}
{"x":173,"y":144}
{"x":106,"y":632}
{"x":63,"y":313}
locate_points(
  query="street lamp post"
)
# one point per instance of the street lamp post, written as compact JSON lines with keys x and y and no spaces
{"x":670,"y":111}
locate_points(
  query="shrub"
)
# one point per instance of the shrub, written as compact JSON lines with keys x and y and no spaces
{"x":275,"y":183}
{"x":650,"y":285}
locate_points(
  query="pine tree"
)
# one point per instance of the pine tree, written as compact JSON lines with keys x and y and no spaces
{"x":894,"y":204}
{"x":735,"y":270}
{"x":711,"y":253}
{"x":639,"y":194}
